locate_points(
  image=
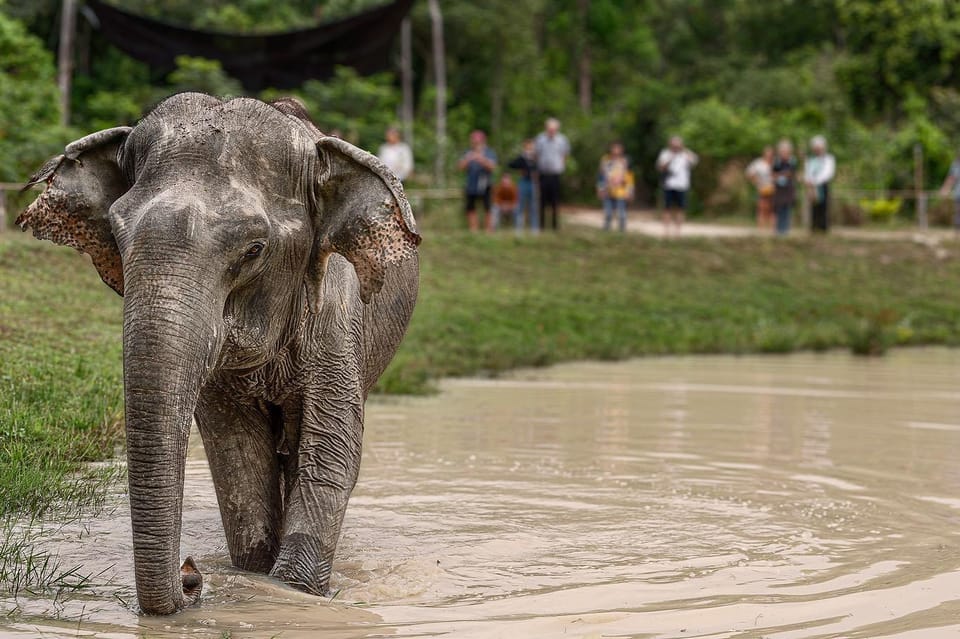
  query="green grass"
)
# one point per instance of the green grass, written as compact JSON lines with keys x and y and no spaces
{"x":60,"y":405}
{"x":61,"y":392}
{"x":25,"y":569}
{"x":487,"y":304}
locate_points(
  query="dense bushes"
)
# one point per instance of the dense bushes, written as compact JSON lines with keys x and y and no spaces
{"x":876,"y":77}
{"x":29,"y":110}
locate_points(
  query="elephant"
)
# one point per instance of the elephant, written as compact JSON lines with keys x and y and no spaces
{"x":268,"y":275}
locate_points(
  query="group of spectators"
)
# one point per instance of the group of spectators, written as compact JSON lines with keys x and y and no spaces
{"x":774,"y":174}
{"x":534,"y":195}
{"x":536,"y":192}
{"x":541,"y":164}
{"x":533,"y":199}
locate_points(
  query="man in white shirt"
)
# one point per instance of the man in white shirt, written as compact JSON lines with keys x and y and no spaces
{"x":552,"y":148}
{"x":396,"y":154}
{"x":674,"y":165}
{"x":817,"y":173}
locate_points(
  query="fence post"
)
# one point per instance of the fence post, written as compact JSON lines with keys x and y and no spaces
{"x":922,"y":221}
{"x":799,"y":180}
{"x":3,"y":209}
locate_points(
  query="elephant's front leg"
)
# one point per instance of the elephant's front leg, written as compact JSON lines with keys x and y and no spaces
{"x":328,"y":460}
{"x":240,"y":442}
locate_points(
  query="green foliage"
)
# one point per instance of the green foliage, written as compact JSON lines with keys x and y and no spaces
{"x":114,"y":90}
{"x":206,"y":76}
{"x":882,"y":210}
{"x":896,"y":47}
{"x":358,"y":108}
{"x":722,"y":131}
{"x":29,"y":111}
{"x":876,"y":77}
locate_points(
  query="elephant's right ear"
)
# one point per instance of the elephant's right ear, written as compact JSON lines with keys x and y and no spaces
{"x":82,"y":183}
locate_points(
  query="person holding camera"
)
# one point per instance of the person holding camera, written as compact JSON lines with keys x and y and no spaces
{"x":675,"y":164}
{"x":478,"y":163}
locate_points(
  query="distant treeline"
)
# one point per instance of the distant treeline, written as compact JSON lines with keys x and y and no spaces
{"x":877,"y":77}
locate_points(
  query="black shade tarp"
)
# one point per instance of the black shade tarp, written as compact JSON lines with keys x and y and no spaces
{"x":362,"y":41}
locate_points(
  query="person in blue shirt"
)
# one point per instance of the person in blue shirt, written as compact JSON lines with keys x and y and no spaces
{"x":478,"y":163}
{"x":951,"y":188}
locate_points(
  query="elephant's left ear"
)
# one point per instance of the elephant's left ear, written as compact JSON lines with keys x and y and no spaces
{"x":362,"y":214}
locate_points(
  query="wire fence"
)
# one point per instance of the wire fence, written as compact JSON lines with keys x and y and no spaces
{"x":420,"y":198}
{"x":6,"y":187}
{"x":848,"y":206}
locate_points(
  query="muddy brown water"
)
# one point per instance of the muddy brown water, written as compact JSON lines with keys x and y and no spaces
{"x":795,"y":496}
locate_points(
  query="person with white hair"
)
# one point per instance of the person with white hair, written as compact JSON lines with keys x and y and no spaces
{"x":818,"y":172}
{"x":552,"y":148}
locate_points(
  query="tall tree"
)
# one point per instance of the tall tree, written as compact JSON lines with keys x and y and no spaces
{"x":440,"y":79}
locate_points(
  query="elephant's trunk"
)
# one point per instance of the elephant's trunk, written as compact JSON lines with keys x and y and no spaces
{"x":169,"y":340}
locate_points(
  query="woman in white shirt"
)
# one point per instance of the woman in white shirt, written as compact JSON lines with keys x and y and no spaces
{"x":396,"y":154}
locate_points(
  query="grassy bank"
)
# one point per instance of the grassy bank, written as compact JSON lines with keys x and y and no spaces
{"x":493,"y":303}
{"x":60,"y":380}
{"x":487,"y":304}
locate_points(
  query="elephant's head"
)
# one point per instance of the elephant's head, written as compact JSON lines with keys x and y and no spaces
{"x":215,"y":221}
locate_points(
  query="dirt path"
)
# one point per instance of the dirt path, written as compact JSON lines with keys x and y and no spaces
{"x":647,"y":222}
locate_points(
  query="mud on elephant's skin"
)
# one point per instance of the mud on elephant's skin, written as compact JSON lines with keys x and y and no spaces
{"x":268,"y":274}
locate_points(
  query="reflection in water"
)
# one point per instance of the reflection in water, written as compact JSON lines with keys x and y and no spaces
{"x":800,"y":496}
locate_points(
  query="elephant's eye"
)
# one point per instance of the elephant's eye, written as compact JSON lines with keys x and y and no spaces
{"x":254,"y":251}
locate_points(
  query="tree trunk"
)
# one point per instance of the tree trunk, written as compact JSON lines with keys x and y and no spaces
{"x":68,"y":27}
{"x":406,"y":80}
{"x":496,"y":100}
{"x":584,"y":70}
{"x":440,"y":77}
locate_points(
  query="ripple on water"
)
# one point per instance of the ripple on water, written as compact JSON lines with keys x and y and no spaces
{"x":801,"y":496}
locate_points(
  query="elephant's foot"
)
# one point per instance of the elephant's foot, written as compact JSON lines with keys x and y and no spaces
{"x":299,"y":565}
{"x":192,"y":581}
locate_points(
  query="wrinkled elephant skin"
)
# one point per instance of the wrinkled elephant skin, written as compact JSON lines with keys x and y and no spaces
{"x":268,"y":274}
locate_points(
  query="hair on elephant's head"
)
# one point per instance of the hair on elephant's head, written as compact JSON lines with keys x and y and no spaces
{"x":215,"y":220}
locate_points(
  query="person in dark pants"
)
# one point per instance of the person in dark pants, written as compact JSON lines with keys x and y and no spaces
{"x":818,"y":172}
{"x":784,"y":193}
{"x":478,"y":163}
{"x":549,"y":196}
{"x":674,"y":165}
{"x":552,"y":148}
{"x":526,"y":163}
